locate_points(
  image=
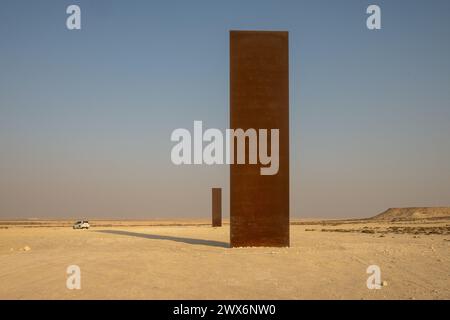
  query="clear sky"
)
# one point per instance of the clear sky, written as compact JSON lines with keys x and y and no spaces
{"x":86,"y":116}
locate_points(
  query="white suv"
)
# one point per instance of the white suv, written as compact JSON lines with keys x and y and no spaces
{"x":82,"y":224}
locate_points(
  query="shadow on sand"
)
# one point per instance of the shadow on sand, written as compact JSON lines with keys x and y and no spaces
{"x":203,"y":242}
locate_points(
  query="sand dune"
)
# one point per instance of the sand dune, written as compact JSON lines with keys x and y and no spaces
{"x":414,"y":213}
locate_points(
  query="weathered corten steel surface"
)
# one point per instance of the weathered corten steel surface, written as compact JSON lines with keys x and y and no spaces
{"x":259,"y":99}
{"x":216,"y":207}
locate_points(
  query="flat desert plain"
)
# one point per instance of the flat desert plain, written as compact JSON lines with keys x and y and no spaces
{"x":191,"y":260}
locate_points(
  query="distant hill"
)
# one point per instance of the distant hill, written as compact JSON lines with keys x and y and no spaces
{"x":414,"y":213}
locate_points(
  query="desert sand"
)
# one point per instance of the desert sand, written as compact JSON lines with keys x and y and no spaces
{"x":191,"y":260}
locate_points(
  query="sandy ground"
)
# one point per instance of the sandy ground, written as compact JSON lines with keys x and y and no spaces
{"x":325,"y":261}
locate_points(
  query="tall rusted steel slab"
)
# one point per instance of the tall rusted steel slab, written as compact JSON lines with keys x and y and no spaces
{"x":259,"y":99}
{"x":216,"y":207}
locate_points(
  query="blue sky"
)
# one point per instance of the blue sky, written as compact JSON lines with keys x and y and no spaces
{"x":86,"y":116}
